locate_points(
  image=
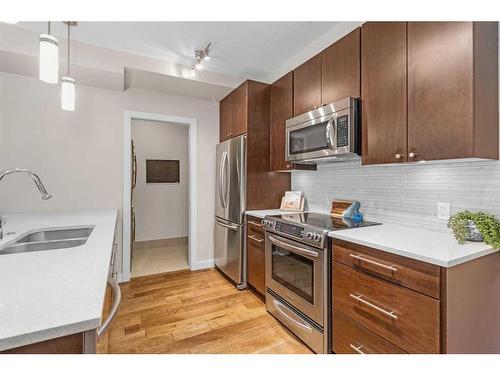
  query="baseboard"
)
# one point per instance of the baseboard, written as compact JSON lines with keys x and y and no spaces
{"x":174,"y":241}
{"x":120,"y":277}
{"x":202,"y":264}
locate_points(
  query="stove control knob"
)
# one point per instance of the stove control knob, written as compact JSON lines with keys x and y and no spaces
{"x":309,"y":235}
{"x":317,"y":237}
{"x":263,"y":222}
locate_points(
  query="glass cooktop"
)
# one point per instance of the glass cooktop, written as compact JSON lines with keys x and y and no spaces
{"x":322,"y":221}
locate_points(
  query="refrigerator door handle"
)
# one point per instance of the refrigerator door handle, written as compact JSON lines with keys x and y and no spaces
{"x":228,"y":226}
{"x":224,"y":188}
{"x":221,"y":165}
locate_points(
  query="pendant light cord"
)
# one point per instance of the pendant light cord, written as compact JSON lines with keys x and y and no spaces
{"x":69,"y":44}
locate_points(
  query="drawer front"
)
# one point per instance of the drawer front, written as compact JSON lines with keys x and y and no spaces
{"x":408,"y":319}
{"x":254,"y":227}
{"x":256,"y":263}
{"x":350,"y":337}
{"x":410,"y":273}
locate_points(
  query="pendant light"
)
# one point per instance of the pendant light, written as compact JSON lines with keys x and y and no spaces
{"x":49,"y":58}
{"x":68,"y":83}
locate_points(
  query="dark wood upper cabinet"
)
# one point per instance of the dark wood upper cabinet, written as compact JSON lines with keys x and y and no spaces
{"x":239,"y":110}
{"x":281,"y":109}
{"x":340,"y":69}
{"x":246,"y":111}
{"x":452,"y":90}
{"x":383,"y":92}
{"x":233,"y":113}
{"x":307,"y":86}
{"x":225,"y":118}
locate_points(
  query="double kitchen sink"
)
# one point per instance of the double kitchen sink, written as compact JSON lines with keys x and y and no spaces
{"x":49,"y":239}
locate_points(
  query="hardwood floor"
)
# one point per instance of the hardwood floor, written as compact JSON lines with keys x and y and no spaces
{"x":195,"y":312}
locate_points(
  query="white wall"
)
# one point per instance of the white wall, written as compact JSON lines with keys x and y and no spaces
{"x":161,"y":208}
{"x":79,"y":154}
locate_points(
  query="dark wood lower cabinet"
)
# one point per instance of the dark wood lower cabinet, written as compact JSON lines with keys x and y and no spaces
{"x":406,"y":318}
{"x":256,"y":263}
{"x":77,"y":343}
{"x":374,"y":312}
{"x":72,"y":344}
{"x":350,"y":337}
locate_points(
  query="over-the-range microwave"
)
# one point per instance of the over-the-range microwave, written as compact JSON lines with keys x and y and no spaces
{"x":326,"y":134}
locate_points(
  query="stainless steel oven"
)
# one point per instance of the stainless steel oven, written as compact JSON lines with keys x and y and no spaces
{"x":298,"y":274}
{"x":296,"y":288}
{"x":328,"y":133}
{"x":295,"y":272}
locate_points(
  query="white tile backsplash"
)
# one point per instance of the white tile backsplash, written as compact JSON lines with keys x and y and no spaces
{"x":406,"y":193}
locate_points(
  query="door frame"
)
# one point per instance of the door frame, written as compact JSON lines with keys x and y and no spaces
{"x":191,"y":123}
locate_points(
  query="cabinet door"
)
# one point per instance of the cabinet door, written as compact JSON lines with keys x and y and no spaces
{"x":440,"y":92}
{"x":281,"y":110}
{"x":383,"y":92}
{"x":340,"y":68}
{"x":239,"y":110}
{"x":307,"y":86}
{"x":256,"y":267}
{"x":225,"y":118}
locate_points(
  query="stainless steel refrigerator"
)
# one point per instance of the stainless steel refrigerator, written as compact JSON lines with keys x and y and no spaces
{"x":230,"y":198}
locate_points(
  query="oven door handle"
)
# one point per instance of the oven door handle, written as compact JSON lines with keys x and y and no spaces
{"x":329,"y":127}
{"x":279,"y":306}
{"x":292,"y":248}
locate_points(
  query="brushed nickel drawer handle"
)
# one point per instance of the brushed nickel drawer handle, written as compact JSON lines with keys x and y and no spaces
{"x":255,"y":239}
{"x":359,"y":298}
{"x":357,"y":349}
{"x":361,"y":259}
{"x":258,"y":225}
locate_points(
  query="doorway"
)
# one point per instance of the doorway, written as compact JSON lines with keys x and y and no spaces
{"x":159,"y":197}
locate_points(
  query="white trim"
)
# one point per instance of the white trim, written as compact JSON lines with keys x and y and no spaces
{"x":202,"y":264}
{"x":128,"y":116}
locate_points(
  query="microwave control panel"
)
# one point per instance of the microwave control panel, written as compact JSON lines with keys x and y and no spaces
{"x":343,"y":131}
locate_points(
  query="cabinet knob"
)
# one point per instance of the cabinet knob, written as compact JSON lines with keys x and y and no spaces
{"x":412,"y":154}
{"x":398,"y":156}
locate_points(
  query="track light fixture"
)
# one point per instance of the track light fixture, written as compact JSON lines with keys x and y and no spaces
{"x":200,"y":55}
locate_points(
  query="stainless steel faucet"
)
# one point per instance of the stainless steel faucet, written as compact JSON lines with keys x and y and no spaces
{"x":36,"y":179}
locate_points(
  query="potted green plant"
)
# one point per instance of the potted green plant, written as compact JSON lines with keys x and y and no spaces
{"x":475,"y":226}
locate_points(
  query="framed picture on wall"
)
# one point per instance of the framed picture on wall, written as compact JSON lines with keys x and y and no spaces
{"x":162,"y":171}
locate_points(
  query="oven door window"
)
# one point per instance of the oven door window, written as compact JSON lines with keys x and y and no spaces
{"x":294,"y":272}
{"x":308,"y":139}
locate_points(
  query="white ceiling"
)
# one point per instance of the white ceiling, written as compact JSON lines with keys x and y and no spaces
{"x":240,"y":49}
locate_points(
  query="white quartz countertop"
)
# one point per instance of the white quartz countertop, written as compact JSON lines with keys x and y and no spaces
{"x":53,"y":293}
{"x":439,"y":248}
{"x":263,"y":213}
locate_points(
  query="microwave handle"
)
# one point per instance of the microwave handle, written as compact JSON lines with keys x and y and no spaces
{"x":330,"y":128}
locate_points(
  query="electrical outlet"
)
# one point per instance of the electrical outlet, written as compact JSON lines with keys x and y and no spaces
{"x":443,"y":211}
